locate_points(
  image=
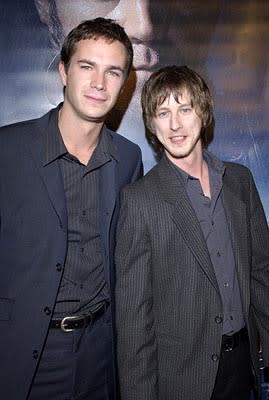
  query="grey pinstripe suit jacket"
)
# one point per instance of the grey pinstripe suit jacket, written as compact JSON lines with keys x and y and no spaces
{"x":167,"y":297}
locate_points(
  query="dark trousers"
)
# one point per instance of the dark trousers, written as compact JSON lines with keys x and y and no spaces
{"x":234,"y":379}
{"x":76,"y":365}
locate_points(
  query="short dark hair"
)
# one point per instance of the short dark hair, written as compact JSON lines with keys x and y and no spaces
{"x":95,"y":29}
{"x":172,"y":80}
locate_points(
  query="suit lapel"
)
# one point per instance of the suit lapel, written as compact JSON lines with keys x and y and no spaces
{"x":107,"y":201}
{"x":173,"y":191}
{"x":235,"y":210}
{"x":50,"y":175}
{"x":52,"y":178}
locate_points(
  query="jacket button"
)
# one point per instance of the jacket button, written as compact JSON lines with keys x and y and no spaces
{"x":59,"y":267}
{"x":214,"y":357}
{"x":218,"y":319}
{"x":35,"y":354}
{"x":47,"y":310}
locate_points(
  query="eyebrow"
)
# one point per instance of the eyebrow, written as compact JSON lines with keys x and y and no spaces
{"x":185,"y":105}
{"x":162,"y":107}
{"x":109,"y":67}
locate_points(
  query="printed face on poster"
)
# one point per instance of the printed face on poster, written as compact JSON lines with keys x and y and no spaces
{"x":226,"y":42}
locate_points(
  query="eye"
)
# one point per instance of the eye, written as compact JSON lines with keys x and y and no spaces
{"x":114,"y":73}
{"x":185,"y":110}
{"x":162,"y":114}
{"x":86,"y":67}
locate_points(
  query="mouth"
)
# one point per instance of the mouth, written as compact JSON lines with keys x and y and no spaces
{"x":95,"y":99}
{"x":177,"y":139}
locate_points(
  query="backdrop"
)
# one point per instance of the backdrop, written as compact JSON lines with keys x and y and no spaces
{"x":225,"y":41}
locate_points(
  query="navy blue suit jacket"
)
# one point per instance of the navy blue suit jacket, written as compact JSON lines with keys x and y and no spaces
{"x":33,"y":241}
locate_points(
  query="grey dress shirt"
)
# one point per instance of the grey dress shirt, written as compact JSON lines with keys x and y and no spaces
{"x":83,"y":284}
{"x":211,"y":216}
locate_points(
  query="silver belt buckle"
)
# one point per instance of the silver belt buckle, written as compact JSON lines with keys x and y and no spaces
{"x":63,"y":322}
{"x":228,"y":348}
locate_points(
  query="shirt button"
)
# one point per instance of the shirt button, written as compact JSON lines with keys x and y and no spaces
{"x":35,"y":354}
{"x":218,"y":319}
{"x":59,"y":267}
{"x":214,"y":357}
{"x":47,"y":310}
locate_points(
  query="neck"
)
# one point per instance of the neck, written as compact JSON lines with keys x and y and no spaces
{"x":196,"y":166}
{"x":79,"y":136}
{"x":193,"y":164}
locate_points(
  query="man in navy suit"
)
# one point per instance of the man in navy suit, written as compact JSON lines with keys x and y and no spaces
{"x":60,"y":179}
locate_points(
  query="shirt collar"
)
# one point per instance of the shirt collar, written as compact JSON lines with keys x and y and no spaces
{"x":106,"y":144}
{"x":102,"y":153}
{"x":216,"y":170}
{"x":215,"y":166}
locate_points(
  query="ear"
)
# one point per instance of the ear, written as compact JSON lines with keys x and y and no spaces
{"x":62,"y":73}
{"x":204,"y":121}
{"x":151,"y":128}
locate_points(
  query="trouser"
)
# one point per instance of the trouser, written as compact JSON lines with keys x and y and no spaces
{"x":76,"y":365}
{"x":234,"y":379}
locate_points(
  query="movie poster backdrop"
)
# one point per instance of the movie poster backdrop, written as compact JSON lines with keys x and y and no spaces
{"x":225,"y":41}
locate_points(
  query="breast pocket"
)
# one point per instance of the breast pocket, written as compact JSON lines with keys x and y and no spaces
{"x":6,"y":307}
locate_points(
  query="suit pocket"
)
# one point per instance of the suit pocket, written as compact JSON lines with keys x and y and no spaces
{"x":6,"y":306}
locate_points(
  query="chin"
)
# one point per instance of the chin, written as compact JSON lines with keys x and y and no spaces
{"x":94,"y":118}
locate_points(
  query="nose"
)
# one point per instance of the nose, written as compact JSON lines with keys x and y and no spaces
{"x":134,"y":17}
{"x":175,"y":122}
{"x":98,"y":80}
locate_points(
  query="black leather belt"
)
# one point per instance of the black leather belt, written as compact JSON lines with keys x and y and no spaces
{"x":72,"y":322}
{"x":231,"y":342}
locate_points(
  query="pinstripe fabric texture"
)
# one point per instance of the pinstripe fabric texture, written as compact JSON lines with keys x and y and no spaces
{"x":212,"y":219}
{"x":167,"y":299}
{"x":83,"y":283}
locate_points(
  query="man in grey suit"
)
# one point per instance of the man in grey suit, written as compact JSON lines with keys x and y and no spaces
{"x":192,"y":259}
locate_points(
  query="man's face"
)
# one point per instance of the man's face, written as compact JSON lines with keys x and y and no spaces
{"x":134,"y":16}
{"x":94,"y":78}
{"x":178,"y":127}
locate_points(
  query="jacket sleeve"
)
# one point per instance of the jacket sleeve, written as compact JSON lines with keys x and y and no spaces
{"x":260,"y":267}
{"x":136,"y":344}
